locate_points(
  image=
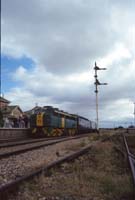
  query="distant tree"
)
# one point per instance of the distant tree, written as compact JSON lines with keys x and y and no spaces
{"x":1,"y":119}
{"x":131,"y":126}
{"x":120,"y":127}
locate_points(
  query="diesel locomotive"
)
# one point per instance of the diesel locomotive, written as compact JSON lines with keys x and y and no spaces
{"x":49,"y":121}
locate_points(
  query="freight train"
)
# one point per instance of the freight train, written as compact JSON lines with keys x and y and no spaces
{"x":49,"y":121}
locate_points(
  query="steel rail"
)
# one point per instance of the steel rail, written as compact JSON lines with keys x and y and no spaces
{"x":11,"y":144}
{"x":12,"y":140}
{"x":131,"y":159}
{"x":16,"y":152}
{"x":31,"y":140}
{"x":28,"y":141}
{"x":4,"y":189}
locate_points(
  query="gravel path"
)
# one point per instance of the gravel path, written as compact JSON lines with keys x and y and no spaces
{"x":16,"y":166}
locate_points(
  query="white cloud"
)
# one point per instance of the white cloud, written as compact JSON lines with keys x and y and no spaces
{"x":64,"y":38}
{"x":118,"y":53}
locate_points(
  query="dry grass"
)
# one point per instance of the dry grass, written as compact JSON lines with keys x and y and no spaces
{"x":76,"y":147}
{"x":102,"y":174}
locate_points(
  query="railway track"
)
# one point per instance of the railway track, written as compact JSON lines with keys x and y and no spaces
{"x":31,"y":145}
{"x":2,"y":141}
{"x":15,"y":142}
{"x":131,"y":156}
{"x":28,"y":141}
{"x":12,"y":184}
{"x":25,"y":148}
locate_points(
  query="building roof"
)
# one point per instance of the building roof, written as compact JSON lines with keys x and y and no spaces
{"x":11,"y":108}
{"x":8,"y":110}
{"x":4,"y":100}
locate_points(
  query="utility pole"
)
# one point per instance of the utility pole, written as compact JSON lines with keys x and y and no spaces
{"x":0,"y":82}
{"x":134,"y":114}
{"x":96,"y":68}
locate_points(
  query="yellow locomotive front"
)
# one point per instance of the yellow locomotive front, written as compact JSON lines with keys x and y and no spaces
{"x":53,"y":122}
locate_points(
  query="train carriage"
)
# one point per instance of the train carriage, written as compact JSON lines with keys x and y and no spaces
{"x":84,"y":125}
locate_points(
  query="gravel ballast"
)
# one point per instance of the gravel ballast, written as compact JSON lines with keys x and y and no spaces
{"x":14,"y":167}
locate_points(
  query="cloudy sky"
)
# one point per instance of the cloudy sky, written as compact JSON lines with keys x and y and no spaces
{"x":48,"y":51}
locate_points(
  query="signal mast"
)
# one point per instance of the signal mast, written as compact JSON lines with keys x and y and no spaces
{"x":97,"y":83}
